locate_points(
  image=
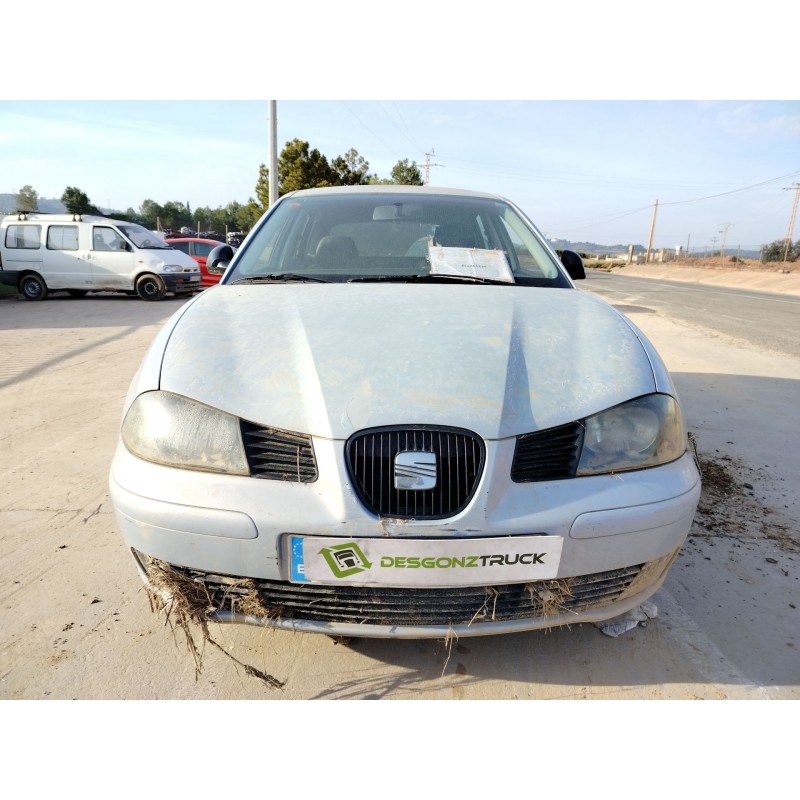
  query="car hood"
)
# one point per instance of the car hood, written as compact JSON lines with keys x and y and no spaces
{"x":332,"y":359}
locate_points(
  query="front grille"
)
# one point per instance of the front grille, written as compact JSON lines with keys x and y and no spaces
{"x":459,"y":456}
{"x":278,"y":455}
{"x":548,"y":455}
{"x":356,"y":605}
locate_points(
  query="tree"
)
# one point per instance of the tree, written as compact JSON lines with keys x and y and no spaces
{"x":299,"y":167}
{"x":27,"y":199}
{"x":149,"y":214}
{"x":350,"y":169}
{"x":258,"y":205}
{"x":777,"y":249}
{"x":402,"y":173}
{"x":175,"y":214}
{"x":406,"y":174}
{"x":77,"y":202}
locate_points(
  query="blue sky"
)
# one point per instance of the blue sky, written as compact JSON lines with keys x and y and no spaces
{"x":583,"y":116}
{"x":582,"y":170}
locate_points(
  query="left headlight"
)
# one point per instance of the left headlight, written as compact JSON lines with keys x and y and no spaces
{"x":641,"y":433}
{"x":177,"y":432}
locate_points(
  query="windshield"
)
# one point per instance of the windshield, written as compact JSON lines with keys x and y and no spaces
{"x":396,"y":236}
{"x":144,"y":238}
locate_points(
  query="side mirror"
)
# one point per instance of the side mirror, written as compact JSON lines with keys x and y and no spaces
{"x":219,"y":258}
{"x":574,"y":264}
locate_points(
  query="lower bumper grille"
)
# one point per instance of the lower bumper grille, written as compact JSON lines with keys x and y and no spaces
{"x":405,"y":606}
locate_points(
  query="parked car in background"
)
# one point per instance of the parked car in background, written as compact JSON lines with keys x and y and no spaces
{"x":397,"y":416}
{"x":82,"y":253}
{"x":198,"y":249}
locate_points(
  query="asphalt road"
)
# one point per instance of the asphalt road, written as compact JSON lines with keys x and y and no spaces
{"x":75,"y":623}
{"x":765,"y":320}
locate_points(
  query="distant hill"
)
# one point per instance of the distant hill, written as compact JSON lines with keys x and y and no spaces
{"x":621,"y":250}
{"x":590,"y":248}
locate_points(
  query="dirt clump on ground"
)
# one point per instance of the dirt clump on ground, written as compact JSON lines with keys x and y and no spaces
{"x":729,"y":507}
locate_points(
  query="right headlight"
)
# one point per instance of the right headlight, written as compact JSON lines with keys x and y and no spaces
{"x":172,"y":430}
{"x":641,"y":433}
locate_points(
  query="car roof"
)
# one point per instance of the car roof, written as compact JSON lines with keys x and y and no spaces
{"x":191,"y":239}
{"x":433,"y":191}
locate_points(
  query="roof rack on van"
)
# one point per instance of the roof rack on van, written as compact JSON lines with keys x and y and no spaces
{"x":22,"y":216}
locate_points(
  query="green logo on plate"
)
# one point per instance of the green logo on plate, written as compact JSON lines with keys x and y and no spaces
{"x":345,"y":559}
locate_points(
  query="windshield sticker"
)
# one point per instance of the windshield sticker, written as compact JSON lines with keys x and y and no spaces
{"x":471,"y":262}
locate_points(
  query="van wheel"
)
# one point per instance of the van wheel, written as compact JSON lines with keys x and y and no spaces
{"x":150,"y":287}
{"x":32,"y":287}
{"x":77,"y":292}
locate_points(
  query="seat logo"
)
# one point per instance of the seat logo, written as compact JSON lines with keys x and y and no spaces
{"x":414,"y":470}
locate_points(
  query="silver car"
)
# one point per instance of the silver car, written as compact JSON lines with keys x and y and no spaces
{"x":396,"y":416}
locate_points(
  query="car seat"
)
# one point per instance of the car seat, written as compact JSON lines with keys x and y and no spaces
{"x":455,"y":234}
{"x":336,"y":250}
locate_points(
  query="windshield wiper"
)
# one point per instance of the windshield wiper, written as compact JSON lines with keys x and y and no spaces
{"x":427,"y":278}
{"x":280,"y":277}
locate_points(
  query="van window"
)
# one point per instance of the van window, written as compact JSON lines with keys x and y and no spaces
{"x":62,"y":237}
{"x":107,"y":239}
{"x":24,"y":237}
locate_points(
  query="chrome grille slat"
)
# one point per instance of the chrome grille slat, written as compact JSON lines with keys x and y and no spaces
{"x":460,"y":458}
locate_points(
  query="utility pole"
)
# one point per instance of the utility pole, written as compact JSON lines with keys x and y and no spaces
{"x":652,"y":233}
{"x":713,"y":245}
{"x":790,"y":231}
{"x":724,"y":231}
{"x":273,"y":153}
{"x":428,"y":166}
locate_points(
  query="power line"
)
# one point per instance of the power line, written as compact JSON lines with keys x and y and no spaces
{"x":589,"y":222}
{"x":406,"y":134}
{"x":734,"y":191}
{"x":601,"y":180}
{"x":388,"y":147}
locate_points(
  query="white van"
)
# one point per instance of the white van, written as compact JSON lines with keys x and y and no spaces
{"x":82,"y":253}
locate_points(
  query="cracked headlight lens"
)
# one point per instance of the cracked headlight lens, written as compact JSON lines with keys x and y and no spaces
{"x":642,"y":433}
{"x":177,"y":432}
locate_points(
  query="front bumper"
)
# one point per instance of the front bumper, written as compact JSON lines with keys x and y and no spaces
{"x":178,"y":282}
{"x":635,"y":522}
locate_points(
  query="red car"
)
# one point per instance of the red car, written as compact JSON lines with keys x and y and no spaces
{"x":198,"y":249}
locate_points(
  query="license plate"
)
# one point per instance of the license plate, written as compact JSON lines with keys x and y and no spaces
{"x":422,"y":562}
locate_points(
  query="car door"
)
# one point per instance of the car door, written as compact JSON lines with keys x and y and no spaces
{"x":65,"y":265}
{"x":111,"y":257}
